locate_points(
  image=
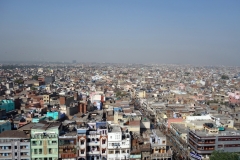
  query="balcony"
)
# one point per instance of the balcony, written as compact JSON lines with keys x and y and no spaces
{"x":67,"y":155}
{"x":160,"y":155}
{"x":203,"y":142}
{"x":67,"y":149}
{"x":93,"y":143}
{"x":93,"y":152}
{"x":205,"y":150}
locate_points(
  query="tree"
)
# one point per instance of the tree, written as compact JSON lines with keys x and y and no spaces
{"x":35,"y":77}
{"x":220,"y":155}
{"x":225,"y":77}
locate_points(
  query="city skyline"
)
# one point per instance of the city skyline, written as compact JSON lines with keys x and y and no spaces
{"x":186,"y":32}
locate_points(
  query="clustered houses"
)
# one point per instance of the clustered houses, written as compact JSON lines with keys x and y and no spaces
{"x":69,"y":141}
{"x":116,"y":112}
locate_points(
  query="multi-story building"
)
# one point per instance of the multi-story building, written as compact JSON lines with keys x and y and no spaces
{"x":119,"y":143}
{"x":159,"y":146}
{"x":81,"y":143}
{"x":44,"y":141}
{"x":14,"y":145}
{"x":97,"y":140}
{"x":204,"y":141}
{"x":46,"y":99}
{"x":68,"y":146}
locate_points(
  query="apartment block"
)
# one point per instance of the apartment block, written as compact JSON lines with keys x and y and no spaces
{"x":44,"y":141}
{"x":68,"y":146}
{"x":14,"y":145}
{"x":119,"y":143}
{"x":97,"y":140}
{"x":206,"y":140}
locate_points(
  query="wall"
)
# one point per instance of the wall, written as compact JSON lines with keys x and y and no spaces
{"x":4,"y":126}
{"x":72,"y":110}
{"x":8,"y":105}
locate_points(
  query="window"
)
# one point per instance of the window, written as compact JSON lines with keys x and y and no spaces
{"x":15,"y":147}
{"x":82,"y":151}
{"x":163,"y":142}
{"x":103,"y":141}
{"x":82,"y":142}
{"x":117,"y":152}
{"x":15,"y":153}
{"x":103,"y":151}
{"x":34,"y":143}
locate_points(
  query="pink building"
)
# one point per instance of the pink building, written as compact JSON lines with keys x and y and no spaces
{"x":234,"y":98}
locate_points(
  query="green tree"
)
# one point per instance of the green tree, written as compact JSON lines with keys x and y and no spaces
{"x":19,"y":81}
{"x":35,"y":77}
{"x":220,"y":155}
{"x":224,"y":77}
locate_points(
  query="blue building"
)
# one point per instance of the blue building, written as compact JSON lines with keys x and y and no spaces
{"x":8,"y":105}
{"x":5,"y":126}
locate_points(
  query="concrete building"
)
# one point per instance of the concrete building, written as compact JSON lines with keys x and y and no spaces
{"x":5,"y":126}
{"x":44,"y":141}
{"x":67,"y":146}
{"x":159,"y":146}
{"x":14,"y":145}
{"x":119,"y":143}
{"x":204,"y":141}
{"x":97,"y":140}
{"x":81,"y":143}
{"x":8,"y":105}
{"x":49,"y":79}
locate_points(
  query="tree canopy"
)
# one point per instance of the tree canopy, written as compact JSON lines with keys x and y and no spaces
{"x":224,"y":77}
{"x":220,"y":155}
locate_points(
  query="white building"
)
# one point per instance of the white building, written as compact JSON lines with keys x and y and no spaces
{"x":119,"y":143}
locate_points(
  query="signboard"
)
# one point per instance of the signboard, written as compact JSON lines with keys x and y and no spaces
{"x":195,"y":155}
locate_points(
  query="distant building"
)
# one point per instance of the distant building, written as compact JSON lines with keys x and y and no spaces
{"x":49,"y":79}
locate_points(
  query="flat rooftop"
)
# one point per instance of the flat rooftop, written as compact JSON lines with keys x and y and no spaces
{"x":227,"y":132}
{"x":115,"y":129}
{"x":13,"y":134}
{"x":180,"y":127}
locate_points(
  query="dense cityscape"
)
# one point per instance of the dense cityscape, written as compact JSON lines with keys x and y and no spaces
{"x":93,"y":111}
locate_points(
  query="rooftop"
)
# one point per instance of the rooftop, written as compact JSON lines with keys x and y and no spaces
{"x":13,"y":134}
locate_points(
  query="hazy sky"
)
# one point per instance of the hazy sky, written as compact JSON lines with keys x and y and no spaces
{"x":138,"y":31}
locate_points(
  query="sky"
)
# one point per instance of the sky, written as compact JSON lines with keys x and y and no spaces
{"x":121,"y":31}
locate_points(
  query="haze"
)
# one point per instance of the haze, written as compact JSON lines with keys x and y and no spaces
{"x":123,"y":31}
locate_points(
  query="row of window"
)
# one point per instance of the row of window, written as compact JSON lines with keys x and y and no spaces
{"x":40,"y":151}
{"x":39,"y":143}
{"x":229,"y":145}
{"x":16,"y":154}
{"x":228,"y":139}
{"x":10,"y":147}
